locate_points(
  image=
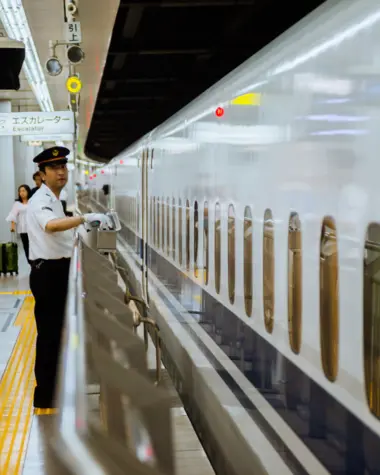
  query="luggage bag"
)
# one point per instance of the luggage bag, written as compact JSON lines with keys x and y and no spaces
{"x":9,"y":257}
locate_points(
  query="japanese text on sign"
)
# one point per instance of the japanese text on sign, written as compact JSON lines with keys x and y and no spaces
{"x":73,"y":32}
{"x":31,"y":123}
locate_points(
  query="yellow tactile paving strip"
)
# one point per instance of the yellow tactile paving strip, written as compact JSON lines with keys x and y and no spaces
{"x":17,"y":292}
{"x":16,"y":392}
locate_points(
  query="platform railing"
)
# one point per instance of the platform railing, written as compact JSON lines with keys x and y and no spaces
{"x":133,"y":433}
{"x":68,"y":441}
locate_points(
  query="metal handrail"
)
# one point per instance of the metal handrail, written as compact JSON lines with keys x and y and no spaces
{"x":71,"y":428}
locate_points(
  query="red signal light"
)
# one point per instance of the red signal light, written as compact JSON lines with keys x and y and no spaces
{"x":102,"y":172}
{"x":121,"y":162}
{"x":219,"y":112}
{"x":94,"y":175}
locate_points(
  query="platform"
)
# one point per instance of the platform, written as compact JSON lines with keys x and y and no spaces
{"x":17,"y":345}
{"x":23,"y":432}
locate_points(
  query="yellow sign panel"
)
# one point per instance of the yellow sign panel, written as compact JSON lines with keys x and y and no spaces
{"x":73,"y":84}
{"x":250,"y":99}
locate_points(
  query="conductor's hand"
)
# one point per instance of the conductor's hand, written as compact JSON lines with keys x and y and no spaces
{"x":98,"y":220}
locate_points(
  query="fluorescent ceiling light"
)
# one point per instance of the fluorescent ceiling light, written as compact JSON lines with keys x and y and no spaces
{"x":16,"y":25}
{"x":209,"y":132}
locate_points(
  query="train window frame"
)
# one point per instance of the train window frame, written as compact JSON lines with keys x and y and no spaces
{"x":231,"y":253}
{"x":206,"y":244}
{"x":180,"y":232}
{"x":154,"y":237}
{"x":187,"y":232}
{"x":173,"y":229}
{"x":248,"y":262}
{"x":196,"y":236}
{"x":163,"y":224}
{"x":168,"y":222}
{"x":268,"y":270}
{"x":217,"y":246}
{"x":329,"y":324}
{"x":158,"y":203}
{"x":371,"y":354}
{"x":295,"y":269}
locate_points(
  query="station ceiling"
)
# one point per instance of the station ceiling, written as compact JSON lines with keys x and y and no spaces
{"x":164,"y":53}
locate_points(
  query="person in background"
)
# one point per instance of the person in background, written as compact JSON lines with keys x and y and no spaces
{"x":17,"y":217}
{"x":38,"y":181}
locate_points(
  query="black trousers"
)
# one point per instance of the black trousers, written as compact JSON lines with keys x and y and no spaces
{"x":25,"y":244}
{"x":48,"y":282}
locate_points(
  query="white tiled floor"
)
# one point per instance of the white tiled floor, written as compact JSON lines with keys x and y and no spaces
{"x":17,"y":337}
{"x":11,"y":304}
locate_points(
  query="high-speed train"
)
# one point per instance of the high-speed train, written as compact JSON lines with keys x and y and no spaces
{"x":251,"y":228}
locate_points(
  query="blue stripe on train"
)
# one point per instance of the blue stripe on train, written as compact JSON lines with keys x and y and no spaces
{"x":341,"y":442}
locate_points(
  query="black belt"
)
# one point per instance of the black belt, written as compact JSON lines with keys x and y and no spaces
{"x":38,"y":262}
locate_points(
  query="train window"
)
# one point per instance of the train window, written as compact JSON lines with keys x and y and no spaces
{"x":136,"y":214}
{"x":151,"y":219}
{"x":371,"y":314}
{"x":130,"y":213}
{"x":133,"y":213}
{"x":187,"y":235}
{"x":158,"y":223}
{"x":231,"y":253}
{"x":248,"y":260}
{"x":217,"y":251}
{"x":295,"y":283}
{"x":173,"y":227}
{"x":154,"y":222}
{"x":328,"y":298}
{"x":268,"y":270}
{"x":137,"y":211}
{"x":163,"y":225}
{"x":196,"y":224}
{"x":205,"y":242}
{"x":180,"y":228}
{"x":168,"y":227}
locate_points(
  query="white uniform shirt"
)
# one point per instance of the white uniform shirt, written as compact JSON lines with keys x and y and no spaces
{"x":64,"y":195}
{"x":43,"y":207}
{"x":18,"y":216}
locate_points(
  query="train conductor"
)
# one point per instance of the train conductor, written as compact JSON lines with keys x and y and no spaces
{"x":51,"y":241}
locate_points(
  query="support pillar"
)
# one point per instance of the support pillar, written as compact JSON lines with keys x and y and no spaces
{"x":7,"y":177}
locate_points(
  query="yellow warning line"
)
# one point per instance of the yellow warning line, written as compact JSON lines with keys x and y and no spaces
{"x":26,"y":310}
{"x":17,"y":292}
{"x":16,"y":393}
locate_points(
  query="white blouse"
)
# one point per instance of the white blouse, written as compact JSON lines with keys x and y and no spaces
{"x":18,"y":216}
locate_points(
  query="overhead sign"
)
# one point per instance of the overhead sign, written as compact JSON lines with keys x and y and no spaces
{"x":33,"y":123}
{"x":47,"y":138}
{"x":74,"y":84}
{"x":73,"y":32}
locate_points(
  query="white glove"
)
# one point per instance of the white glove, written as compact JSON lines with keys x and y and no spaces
{"x":97,"y":220}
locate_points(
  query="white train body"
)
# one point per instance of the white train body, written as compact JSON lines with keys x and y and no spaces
{"x":302,"y":136}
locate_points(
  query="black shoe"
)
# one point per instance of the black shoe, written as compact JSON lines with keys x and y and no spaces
{"x":44,"y":404}
{"x":42,"y":401}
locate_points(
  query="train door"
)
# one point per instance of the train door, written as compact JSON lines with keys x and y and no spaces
{"x":144,"y":223}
